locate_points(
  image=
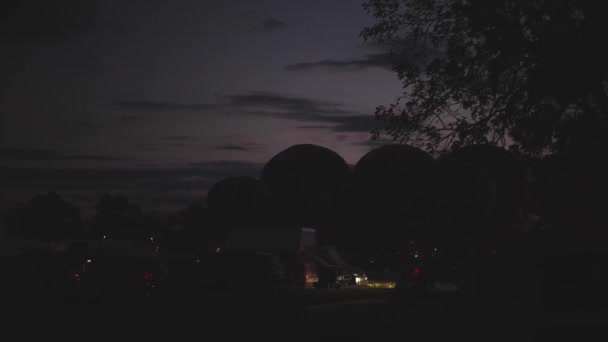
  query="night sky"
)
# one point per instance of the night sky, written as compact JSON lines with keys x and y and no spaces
{"x":158,"y":100}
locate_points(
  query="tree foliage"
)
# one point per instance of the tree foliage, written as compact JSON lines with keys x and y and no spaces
{"x":45,"y":217}
{"x":525,"y":74}
{"x":115,"y":217}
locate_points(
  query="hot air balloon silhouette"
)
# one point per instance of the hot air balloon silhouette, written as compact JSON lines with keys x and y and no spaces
{"x":389,"y":186}
{"x":241,"y":200}
{"x":571,"y":190}
{"x":305,"y":181}
{"x":508,"y":173}
{"x":462,"y":198}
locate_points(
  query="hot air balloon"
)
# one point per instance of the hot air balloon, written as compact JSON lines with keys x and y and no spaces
{"x":508,"y":173}
{"x":305,"y":181}
{"x":239,"y":200}
{"x":572,"y":190}
{"x":462,"y":197}
{"x":389,"y":186}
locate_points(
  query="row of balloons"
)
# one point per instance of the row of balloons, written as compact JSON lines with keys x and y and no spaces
{"x":392,"y":190}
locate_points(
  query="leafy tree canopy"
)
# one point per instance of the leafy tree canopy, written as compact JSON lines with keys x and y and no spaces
{"x":530,"y":75}
{"x":45,"y":217}
{"x":116,"y":217}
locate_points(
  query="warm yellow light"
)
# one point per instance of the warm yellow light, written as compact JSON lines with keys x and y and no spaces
{"x":380,"y":284}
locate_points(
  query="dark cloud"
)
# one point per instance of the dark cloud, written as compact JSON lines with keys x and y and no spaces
{"x":374,"y":143}
{"x":243,"y":103}
{"x":15,"y":154}
{"x":379,"y":56}
{"x":177,"y":137}
{"x":341,"y":137}
{"x":152,"y":188}
{"x":270,"y":25}
{"x":271,"y":105}
{"x":353,"y":123}
{"x":283,"y":102}
{"x":349,"y":123}
{"x":232,"y":147}
{"x":44,"y":21}
{"x":91,"y":157}
{"x":315,"y":127}
{"x":374,"y":60}
{"x":163,"y":106}
{"x":303,"y":109}
{"x":238,"y":147}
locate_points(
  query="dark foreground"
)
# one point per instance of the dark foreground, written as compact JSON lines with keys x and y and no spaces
{"x":318,"y":315}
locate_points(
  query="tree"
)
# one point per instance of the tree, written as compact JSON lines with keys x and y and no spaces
{"x":116,"y":218}
{"x":529,"y":75}
{"x":45,"y":217}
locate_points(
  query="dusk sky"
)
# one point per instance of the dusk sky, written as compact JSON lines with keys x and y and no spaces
{"x":158,"y":100}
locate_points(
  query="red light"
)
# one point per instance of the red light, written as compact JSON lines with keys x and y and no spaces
{"x":148,"y":276}
{"x":415,"y":272}
{"x":74,"y":277}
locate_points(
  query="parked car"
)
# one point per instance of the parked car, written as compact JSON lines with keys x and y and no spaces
{"x":330,"y":275}
{"x":334,"y":271}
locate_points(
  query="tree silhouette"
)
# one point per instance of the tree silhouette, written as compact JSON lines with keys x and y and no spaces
{"x":506,"y":170}
{"x":116,"y":218}
{"x":460,"y":201}
{"x":489,"y":71}
{"x":475,"y":197}
{"x":44,"y":217}
{"x":204,"y":225}
{"x":389,"y":187}
{"x":570,"y":192}
{"x":194,"y":228}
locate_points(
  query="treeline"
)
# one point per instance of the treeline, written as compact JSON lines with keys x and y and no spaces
{"x":49,"y":217}
{"x":394,"y":194}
